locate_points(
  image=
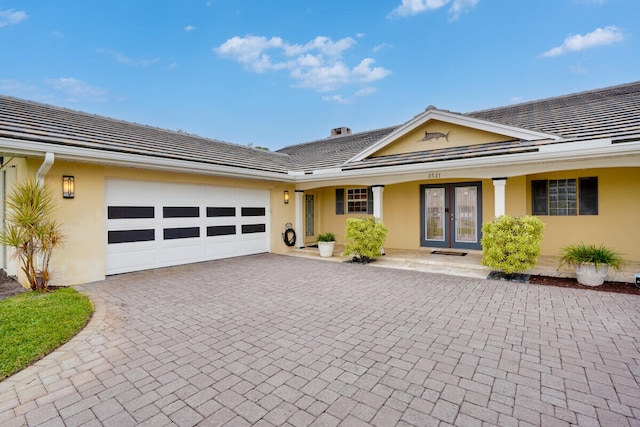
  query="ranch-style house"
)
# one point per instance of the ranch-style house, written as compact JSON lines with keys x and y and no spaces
{"x":138,"y":197}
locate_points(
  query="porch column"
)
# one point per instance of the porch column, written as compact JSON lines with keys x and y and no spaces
{"x":377,"y":201}
{"x":377,"y":191}
{"x":299,"y":227}
{"x":499,"y":185}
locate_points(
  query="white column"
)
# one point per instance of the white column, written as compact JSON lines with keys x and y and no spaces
{"x":377,"y":201}
{"x":377,"y":191}
{"x":499,"y":185}
{"x":299,"y":227}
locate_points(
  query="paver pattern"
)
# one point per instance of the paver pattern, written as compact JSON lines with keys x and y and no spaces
{"x":276,"y":340}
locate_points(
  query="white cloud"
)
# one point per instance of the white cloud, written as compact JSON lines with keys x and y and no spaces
{"x":77,"y":90}
{"x":316,"y":65}
{"x":461,"y":6}
{"x":415,"y":7}
{"x":123,"y":59}
{"x":366,"y":91}
{"x":381,"y":46}
{"x":16,"y":87}
{"x":337,"y":99}
{"x":599,"y":37}
{"x":340,"y":99}
{"x":12,"y":17}
{"x":189,"y":28}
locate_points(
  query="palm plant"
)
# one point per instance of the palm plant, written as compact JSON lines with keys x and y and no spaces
{"x":31,"y":232}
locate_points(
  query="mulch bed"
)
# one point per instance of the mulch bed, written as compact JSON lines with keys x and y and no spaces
{"x":565,"y":282}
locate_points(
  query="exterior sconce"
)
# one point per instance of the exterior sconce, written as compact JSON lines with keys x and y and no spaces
{"x":68,"y":187}
{"x":286,"y":197}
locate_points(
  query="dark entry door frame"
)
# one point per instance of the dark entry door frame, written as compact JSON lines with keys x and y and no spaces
{"x":451,"y":215}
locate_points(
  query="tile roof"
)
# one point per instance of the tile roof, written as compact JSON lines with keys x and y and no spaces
{"x":333,"y":151}
{"x":612,"y":112}
{"x":26,"y":120}
{"x":453,"y":153}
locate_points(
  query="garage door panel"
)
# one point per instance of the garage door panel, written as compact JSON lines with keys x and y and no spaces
{"x":152,"y":225}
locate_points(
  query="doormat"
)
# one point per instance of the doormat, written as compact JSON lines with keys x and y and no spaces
{"x":449,"y":253}
{"x":313,"y":245}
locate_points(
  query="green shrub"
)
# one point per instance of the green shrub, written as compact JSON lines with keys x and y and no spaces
{"x":364,"y":237}
{"x":326,"y":237}
{"x":582,"y":254}
{"x":511,"y":244}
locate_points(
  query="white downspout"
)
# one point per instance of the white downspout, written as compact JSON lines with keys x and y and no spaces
{"x":49,"y":158}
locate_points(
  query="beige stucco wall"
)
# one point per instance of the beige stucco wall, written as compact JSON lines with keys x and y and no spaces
{"x":400,"y":214}
{"x":617,"y":224}
{"x":82,"y":258}
{"x":459,"y":136}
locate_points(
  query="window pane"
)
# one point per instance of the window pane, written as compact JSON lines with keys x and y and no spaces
{"x":539,"y":204}
{"x":589,"y":196}
{"x":357,"y":200}
{"x":562,"y":196}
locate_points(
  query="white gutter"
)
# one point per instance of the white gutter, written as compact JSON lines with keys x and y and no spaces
{"x":49,"y":158}
{"x":135,"y":160}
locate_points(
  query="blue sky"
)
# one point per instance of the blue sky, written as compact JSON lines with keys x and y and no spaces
{"x":278,"y":72}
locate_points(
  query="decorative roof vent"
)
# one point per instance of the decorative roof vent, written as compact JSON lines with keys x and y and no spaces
{"x":340,"y":131}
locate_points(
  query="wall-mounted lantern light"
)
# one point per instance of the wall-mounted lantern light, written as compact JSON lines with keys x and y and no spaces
{"x":68,"y":187}
{"x":286,"y":197}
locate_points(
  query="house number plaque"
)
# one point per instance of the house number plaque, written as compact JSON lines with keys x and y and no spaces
{"x":433,"y":175}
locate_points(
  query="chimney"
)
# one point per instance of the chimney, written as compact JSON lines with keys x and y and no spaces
{"x":340,"y":131}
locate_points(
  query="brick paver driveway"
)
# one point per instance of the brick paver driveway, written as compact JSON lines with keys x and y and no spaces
{"x":276,"y":340}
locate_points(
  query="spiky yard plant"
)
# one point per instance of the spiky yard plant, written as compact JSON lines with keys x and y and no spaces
{"x":31,"y":231}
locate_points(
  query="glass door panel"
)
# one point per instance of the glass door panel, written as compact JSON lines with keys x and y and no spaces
{"x":309,"y":215}
{"x":435,"y":214}
{"x":466,"y":214}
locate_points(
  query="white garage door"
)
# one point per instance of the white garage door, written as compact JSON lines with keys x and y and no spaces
{"x":151,"y":225}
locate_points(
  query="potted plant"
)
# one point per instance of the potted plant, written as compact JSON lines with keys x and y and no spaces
{"x":326,"y":243}
{"x":590,"y":262}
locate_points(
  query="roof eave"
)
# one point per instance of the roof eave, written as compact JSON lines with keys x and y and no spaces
{"x":111,"y":158}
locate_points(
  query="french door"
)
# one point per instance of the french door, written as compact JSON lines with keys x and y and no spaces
{"x":451,"y":215}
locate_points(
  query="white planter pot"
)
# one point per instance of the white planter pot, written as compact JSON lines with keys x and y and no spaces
{"x":326,"y":249}
{"x":588,"y":275}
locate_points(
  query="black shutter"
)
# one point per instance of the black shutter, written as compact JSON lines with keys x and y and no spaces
{"x":539,"y":197}
{"x":339,"y":201}
{"x":588,"y":196}
{"x":369,"y":200}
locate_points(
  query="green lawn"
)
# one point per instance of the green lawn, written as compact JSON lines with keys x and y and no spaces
{"x":33,"y":324}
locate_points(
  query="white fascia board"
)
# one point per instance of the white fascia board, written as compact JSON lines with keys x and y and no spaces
{"x":104,"y":157}
{"x":456,"y":119}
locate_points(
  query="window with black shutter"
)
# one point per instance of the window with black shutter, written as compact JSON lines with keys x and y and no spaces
{"x":339,"y":201}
